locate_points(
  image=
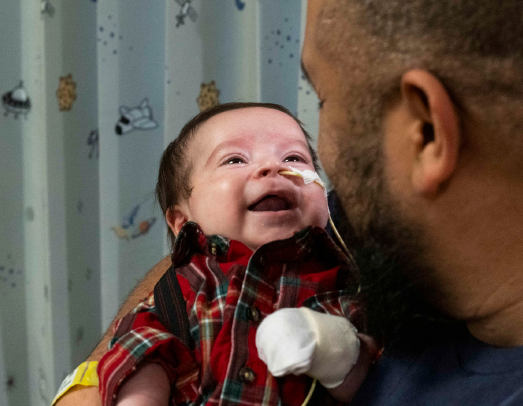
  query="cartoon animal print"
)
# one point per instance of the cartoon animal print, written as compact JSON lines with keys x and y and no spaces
{"x":209,"y":96}
{"x":66,"y":93}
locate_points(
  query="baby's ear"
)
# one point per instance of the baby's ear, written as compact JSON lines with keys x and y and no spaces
{"x":176,"y":218}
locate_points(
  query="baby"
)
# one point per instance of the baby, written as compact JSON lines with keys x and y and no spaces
{"x":266,"y":292}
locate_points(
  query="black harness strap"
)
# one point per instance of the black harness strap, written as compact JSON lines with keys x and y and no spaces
{"x":171,"y":308}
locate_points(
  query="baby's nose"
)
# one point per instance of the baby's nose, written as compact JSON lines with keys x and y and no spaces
{"x":269,"y":168}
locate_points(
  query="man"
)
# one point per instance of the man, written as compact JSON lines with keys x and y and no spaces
{"x":420,"y":134}
{"x":421,"y":126}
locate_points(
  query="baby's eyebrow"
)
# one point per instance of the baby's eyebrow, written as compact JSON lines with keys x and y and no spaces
{"x":301,"y":143}
{"x":239,"y":142}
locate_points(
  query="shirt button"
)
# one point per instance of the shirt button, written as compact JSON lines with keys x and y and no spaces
{"x":253,"y":314}
{"x":213,"y":249}
{"x":247,"y":375}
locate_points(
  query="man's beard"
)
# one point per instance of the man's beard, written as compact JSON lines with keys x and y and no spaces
{"x":395,"y":280}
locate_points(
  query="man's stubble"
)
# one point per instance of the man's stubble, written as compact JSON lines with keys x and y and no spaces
{"x":395,"y":279}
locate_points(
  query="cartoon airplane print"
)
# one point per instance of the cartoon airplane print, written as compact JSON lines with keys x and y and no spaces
{"x":135,"y":118}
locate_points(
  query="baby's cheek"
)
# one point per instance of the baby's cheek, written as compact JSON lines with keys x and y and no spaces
{"x":227,"y":184}
{"x":317,"y":208}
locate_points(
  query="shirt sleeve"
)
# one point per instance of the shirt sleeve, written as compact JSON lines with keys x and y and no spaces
{"x":337,"y":303}
{"x":140,"y":337}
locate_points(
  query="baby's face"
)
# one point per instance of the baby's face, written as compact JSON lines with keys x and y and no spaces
{"x":236,"y":189}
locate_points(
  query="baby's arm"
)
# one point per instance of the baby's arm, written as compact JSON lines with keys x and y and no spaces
{"x":148,"y":386}
{"x":326,"y":347}
{"x":140,"y":339}
{"x":352,"y":382}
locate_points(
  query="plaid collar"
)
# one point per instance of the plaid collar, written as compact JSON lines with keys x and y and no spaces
{"x":191,"y":240}
{"x":310,"y":241}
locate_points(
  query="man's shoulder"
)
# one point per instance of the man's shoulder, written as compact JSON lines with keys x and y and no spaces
{"x":466,"y":374}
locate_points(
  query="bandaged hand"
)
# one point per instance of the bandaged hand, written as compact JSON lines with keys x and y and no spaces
{"x":301,"y":341}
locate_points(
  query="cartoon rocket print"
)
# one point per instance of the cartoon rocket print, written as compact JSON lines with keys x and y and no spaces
{"x":131,"y":229}
{"x":186,"y":11}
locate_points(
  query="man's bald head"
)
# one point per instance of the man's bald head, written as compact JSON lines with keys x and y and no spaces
{"x":474,"y":47}
{"x":469,"y":34}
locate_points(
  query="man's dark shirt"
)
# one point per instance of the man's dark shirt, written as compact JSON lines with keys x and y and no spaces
{"x":467,"y":373}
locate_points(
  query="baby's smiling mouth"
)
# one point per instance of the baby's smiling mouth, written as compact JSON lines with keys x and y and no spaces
{"x":271,"y":203}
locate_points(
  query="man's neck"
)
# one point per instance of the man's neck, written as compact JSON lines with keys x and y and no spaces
{"x":482,"y":271}
{"x":503,"y":329}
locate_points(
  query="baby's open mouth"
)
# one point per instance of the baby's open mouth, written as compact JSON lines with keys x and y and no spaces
{"x":271,"y":203}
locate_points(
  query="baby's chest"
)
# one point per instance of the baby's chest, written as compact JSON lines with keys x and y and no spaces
{"x":221,"y":307}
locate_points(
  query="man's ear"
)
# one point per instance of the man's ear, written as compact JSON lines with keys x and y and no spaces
{"x":436,"y":134}
{"x":176,"y":218}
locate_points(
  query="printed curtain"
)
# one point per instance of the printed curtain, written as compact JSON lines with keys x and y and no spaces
{"x":92,"y":92}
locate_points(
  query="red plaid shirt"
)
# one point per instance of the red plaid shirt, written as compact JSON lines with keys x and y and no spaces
{"x":226,"y":286}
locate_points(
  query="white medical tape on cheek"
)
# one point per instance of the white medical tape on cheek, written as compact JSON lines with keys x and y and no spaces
{"x":309,"y":177}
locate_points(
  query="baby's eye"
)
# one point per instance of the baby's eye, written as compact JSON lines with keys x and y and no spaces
{"x":293,"y":158}
{"x":232,"y":161}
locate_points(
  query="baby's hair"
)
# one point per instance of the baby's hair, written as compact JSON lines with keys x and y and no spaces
{"x":175,"y":169}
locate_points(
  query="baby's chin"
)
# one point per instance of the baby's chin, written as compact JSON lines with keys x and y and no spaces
{"x":257,"y":241}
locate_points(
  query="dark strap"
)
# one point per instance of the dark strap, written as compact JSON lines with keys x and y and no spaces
{"x":171,"y":308}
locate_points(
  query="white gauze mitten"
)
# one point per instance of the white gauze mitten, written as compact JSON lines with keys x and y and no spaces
{"x":299,"y":341}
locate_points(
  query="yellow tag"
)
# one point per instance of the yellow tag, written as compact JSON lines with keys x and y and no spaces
{"x":84,"y":375}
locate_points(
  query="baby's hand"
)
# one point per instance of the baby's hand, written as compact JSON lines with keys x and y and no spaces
{"x":298,"y":341}
{"x":148,"y":386}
